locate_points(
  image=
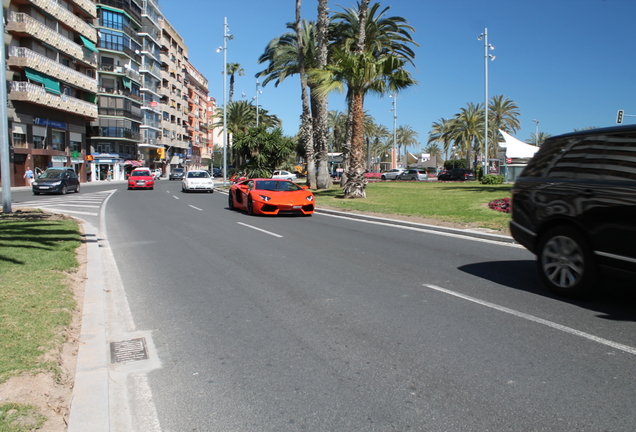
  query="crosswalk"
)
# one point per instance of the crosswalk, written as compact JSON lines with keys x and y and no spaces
{"x":86,"y":204}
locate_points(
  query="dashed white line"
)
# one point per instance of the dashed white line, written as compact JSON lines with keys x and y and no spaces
{"x":196,"y":208}
{"x":260,"y":229}
{"x":612,"y":344}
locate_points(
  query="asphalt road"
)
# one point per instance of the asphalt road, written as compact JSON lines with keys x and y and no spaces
{"x":329,"y":324}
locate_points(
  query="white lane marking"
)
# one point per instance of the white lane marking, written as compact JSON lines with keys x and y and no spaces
{"x":196,"y":208}
{"x":175,"y":197}
{"x":464,"y":236}
{"x":261,"y":230}
{"x":615,"y":345}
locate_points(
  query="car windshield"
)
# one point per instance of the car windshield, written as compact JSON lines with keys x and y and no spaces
{"x":276,"y":186}
{"x":140,"y":174}
{"x":178,"y":170}
{"x":198,"y":174}
{"x":52,"y":174}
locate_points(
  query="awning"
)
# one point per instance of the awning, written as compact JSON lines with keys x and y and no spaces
{"x":126,"y":82}
{"x":133,"y":163}
{"x":517,"y":149}
{"x":50,"y":84}
{"x":88,"y":44}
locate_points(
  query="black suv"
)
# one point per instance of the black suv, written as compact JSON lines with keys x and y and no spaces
{"x":457,"y":174}
{"x":574,"y":206}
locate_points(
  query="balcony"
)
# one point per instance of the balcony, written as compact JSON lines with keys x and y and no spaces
{"x":126,"y":5}
{"x":28,"y":92}
{"x":23,"y":24}
{"x":130,"y":73}
{"x":24,"y":57}
{"x":87,"y":6}
{"x":120,"y":92}
{"x":53,"y":8}
{"x":115,"y":132}
{"x":119,"y":112}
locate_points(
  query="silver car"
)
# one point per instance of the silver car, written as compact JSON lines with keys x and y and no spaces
{"x":413,"y":174}
{"x":392,"y":174}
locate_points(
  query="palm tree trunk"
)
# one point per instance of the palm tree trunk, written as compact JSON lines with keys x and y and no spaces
{"x":355,"y":186}
{"x":305,"y":117}
{"x":320,"y":103}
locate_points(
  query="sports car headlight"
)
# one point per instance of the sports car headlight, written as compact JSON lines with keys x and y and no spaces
{"x":265,"y":197}
{"x":310,"y":198}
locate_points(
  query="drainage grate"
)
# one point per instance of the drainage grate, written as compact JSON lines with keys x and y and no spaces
{"x":130,"y":350}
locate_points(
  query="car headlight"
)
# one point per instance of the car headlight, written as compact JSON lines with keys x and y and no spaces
{"x":57,"y":183}
{"x":265,"y":198}
{"x":310,"y":198}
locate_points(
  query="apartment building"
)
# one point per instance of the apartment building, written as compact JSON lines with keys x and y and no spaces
{"x":174,"y":106}
{"x":197,"y":123}
{"x":51,"y":83}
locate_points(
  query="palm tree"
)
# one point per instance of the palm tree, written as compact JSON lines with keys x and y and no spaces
{"x":233,"y":69}
{"x":440,"y":133}
{"x":406,"y":137}
{"x":538,"y":140}
{"x":320,"y":103}
{"x":503,"y":114}
{"x":467,"y":130}
{"x":264,"y":150}
{"x":432,"y":149}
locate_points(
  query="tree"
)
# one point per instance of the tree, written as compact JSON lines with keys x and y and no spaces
{"x":538,"y":140}
{"x":262,"y":150}
{"x":320,"y":107}
{"x":369,"y":55}
{"x":467,"y":130}
{"x":503,"y":114}
{"x":406,"y":137}
{"x":233,"y":69}
{"x":440,"y":133}
{"x":432,"y":149}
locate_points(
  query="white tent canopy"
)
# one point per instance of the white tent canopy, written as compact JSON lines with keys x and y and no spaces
{"x":515,"y":148}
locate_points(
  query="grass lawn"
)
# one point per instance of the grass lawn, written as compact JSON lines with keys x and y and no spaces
{"x":463,"y":203}
{"x":35,"y":300}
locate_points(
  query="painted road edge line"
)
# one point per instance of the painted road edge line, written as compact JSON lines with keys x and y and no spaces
{"x":615,"y":345}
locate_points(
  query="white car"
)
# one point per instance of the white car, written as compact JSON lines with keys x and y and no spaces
{"x":197,"y":180}
{"x":284,"y":175}
{"x":392,"y":174}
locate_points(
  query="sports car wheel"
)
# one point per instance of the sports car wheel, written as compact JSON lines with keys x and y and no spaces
{"x":230,"y":201}
{"x":250,"y":206}
{"x":566,"y":263}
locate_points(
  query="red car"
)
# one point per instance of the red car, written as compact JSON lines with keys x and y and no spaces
{"x":141,"y":178}
{"x":271,"y":197}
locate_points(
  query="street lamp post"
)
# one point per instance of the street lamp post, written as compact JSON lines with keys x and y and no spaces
{"x":257,"y":92}
{"x":536,"y":131}
{"x":394,"y":96}
{"x":226,"y":36}
{"x":487,"y":57}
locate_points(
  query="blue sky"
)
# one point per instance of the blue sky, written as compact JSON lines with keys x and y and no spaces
{"x":566,"y":63}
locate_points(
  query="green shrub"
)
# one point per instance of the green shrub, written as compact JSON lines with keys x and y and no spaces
{"x":491,"y":179}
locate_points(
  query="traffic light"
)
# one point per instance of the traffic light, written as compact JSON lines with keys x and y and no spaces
{"x":619,"y":117}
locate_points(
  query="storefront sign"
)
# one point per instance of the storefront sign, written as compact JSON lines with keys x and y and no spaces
{"x":77,"y":160}
{"x":59,"y":158}
{"x":47,"y":122}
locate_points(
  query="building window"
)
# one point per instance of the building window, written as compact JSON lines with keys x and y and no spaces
{"x":19,"y":140}
{"x":58,"y":140}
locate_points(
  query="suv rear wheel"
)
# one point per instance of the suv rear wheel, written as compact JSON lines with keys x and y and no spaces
{"x":565,"y":261}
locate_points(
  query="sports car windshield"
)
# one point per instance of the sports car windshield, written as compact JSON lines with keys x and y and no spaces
{"x":277,"y":186}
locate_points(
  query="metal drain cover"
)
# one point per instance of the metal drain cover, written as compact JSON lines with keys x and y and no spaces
{"x":130,"y":350}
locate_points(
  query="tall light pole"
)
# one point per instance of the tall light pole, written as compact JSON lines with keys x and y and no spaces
{"x":5,"y":166}
{"x":536,"y":130}
{"x":226,"y":36}
{"x":394,"y":96}
{"x":487,"y":57}
{"x":257,"y":92}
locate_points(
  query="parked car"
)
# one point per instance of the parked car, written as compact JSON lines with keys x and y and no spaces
{"x":197,"y":180}
{"x":271,"y":197}
{"x":176,"y":174}
{"x":574,"y":207}
{"x":56,"y":180}
{"x":285,"y":175}
{"x":413,"y":174}
{"x":392,"y":174}
{"x":460,"y":174}
{"x":141,"y":178}
{"x":217,"y":172}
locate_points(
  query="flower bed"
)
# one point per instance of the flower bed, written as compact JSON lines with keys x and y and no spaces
{"x":502,"y":205}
